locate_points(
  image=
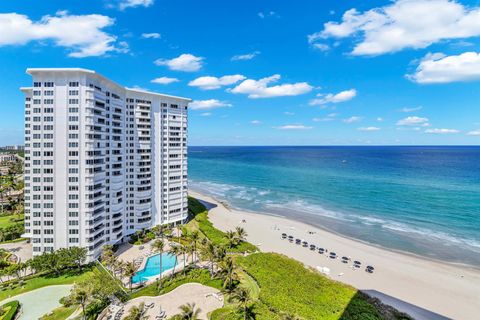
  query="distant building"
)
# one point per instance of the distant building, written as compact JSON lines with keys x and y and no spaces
{"x":13,"y":148}
{"x":101,"y":161}
{"x":7,"y":157}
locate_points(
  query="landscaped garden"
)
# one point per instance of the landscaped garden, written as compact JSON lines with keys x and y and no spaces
{"x":9,"y":310}
{"x":255,"y":286}
{"x":11,"y":202}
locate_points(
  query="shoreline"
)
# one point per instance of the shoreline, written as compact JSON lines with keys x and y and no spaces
{"x":422,"y":287}
{"x":315,"y":224}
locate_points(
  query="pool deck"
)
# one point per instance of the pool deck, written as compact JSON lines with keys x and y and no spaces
{"x":129,"y":252}
{"x":205,"y":298}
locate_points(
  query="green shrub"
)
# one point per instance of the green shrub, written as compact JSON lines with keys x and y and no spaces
{"x":11,"y":309}
{"x":201,"y":276}
{"x":200,"y":214}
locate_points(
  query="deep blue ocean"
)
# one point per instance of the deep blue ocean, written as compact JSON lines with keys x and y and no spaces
{"x":421,"y":200}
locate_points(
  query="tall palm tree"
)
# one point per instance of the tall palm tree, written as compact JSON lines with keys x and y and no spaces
{"x":242,"y":296}
{"x":189,"y":312}
{"x":129,"y":272}
{"x":228,"y":272}
{"x":194,"y":237}
{"x":241,"y":234}
{"x":175,"y":250}
{"x":183,"y":250}
{"x":159,"y":246}
{"x":209,"y":251}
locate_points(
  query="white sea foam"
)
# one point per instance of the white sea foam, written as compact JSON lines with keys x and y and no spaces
{"x":447,"y":239}
{"x":282,"y":204}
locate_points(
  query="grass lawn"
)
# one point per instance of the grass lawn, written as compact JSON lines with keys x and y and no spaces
{"x":60,"y":313}
{"x":201,"y":276}
{"x":286,"y":286}
{"x":37,"y":282}
{"x":201,"y":223}
{"x":10,"y":220}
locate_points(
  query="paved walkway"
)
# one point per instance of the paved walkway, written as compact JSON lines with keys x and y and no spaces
{"x":170,"y":302}
{"x":41,"y":301}
{"x":22,"y":249}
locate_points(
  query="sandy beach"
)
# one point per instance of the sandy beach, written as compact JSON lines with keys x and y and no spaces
{"x":423,"y":288}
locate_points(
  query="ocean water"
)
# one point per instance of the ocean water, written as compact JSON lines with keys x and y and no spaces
{"x":420,"y":200}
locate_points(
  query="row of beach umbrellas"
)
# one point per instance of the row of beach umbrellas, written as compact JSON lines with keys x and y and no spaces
{"x":331,"y":254}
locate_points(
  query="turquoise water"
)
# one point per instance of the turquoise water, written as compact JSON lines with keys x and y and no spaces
{"x":152,"y":267}
{"x":422,"y":200}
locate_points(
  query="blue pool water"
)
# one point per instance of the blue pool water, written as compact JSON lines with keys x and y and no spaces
{"x":422,"y":200}
{"x":152,"y":267}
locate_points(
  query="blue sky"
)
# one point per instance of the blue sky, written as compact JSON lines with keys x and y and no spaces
{"x":266,"y":72}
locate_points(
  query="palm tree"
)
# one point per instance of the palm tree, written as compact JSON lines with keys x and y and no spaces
{"x":194,"y":236}
{"x":228,"y":272}
{"x":175,"y":250}
{"x":249,"y":312}
{"x":231,"y":238}
{"x":183,"y":250}
{"x":190,"y":250}
{"x":189,"y":312}
{"x":159,"y":246}
{"x":241,"y":234}
{"x":242,"y":296}
{"x":129,"y":272}
{"x":137,"y":313}
{"x":209,"y":251}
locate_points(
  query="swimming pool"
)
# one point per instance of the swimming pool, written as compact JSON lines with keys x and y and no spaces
{"x":152,"y":267}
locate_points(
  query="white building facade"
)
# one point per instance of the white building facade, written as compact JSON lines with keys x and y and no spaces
{"x":101,"y":161}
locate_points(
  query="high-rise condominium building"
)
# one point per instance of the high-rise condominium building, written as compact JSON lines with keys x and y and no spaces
{"x":101,"y":161}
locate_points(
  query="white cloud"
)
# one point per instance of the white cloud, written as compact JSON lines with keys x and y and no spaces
{"x":210,"y":83}
{"x":164,"y":80}
{"x":325,"y":119}
{"x":368,"y":129}
{"x":474,"y":133}
{"x":185,"y":62}
{"x":288,"y":113}
{"x":248,"y":56}
{"x":321,"y":46}
{"x":329,"y":117}
{"x":403,"y":24}
{"x":124,"y":4}
{"x":153,"y":35}
{"x":264,"y":15}
{"x":407,"y":110}
{"x":441,"y":131}
{"x":259,"y":88}
{"x":379,"y":119}
{"x":294,"y":127}
{"x":438,"y":68}
{"x":352,"y":119}
{"x":207,"y":104}
{"x":82,"y":34}
{"x":334,"y":98}
{"x":256,"y":122}
{"x":413,"y":121}
{"x":206,"y":114}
